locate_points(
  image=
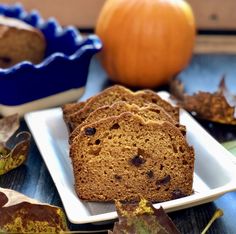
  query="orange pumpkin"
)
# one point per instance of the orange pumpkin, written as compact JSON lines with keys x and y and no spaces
{"x":145,"y":42}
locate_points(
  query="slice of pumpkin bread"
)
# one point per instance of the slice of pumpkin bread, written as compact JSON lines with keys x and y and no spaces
{"x":125,"y":158}
{"x":149,"y":112}
{"x":119,"y":93}
{"x":70,"y":108}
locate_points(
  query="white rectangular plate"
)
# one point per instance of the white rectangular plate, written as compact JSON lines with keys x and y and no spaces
{"x":214,"y":172}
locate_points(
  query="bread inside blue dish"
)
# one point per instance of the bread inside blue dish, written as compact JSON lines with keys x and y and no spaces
{"x":19,"y":42}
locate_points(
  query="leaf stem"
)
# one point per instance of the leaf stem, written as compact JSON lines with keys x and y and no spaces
{"x":218,"y":213}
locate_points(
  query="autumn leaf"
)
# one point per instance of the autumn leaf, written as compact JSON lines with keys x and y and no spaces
{"x":142,"y":218}
{"x":8,"y":126}
{"x":14,"y":156}
{"x":21,"y":214}
{"x":219,"y":106}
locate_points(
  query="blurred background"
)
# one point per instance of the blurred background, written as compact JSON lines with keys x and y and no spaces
{"x":213,"y":17}
{"x":210,"y":14}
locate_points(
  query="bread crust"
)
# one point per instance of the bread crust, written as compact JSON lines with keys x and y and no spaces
{"x":149,"y":112}
{"x":120,"y":93}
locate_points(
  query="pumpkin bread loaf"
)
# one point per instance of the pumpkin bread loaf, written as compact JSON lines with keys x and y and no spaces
{"x":123,"y":157}
{"x":119,"y":93}
{"x":19,"y":42}
{"x":149,"y":112}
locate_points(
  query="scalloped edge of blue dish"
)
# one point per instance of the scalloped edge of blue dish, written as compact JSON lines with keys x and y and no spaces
{"x":25,"y":77}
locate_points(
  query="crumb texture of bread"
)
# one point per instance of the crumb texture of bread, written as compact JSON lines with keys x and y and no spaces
{"x":20,"y":42}
{"x":119,"y":93}
{"x":124,"y":157}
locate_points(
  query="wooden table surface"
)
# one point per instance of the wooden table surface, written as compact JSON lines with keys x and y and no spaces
{"x":33,"y":178}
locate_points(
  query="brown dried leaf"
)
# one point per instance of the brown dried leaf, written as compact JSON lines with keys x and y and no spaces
{"x":12,"y":158}
{"x":8,"y":126}
{"x":230,"y":98}
{"x":20,"y":214}
{"x":142,"y":218}
{"x":219,"y":106}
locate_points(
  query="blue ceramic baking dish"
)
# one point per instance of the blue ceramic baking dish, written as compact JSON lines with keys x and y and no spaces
{"x":59,"y":78}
